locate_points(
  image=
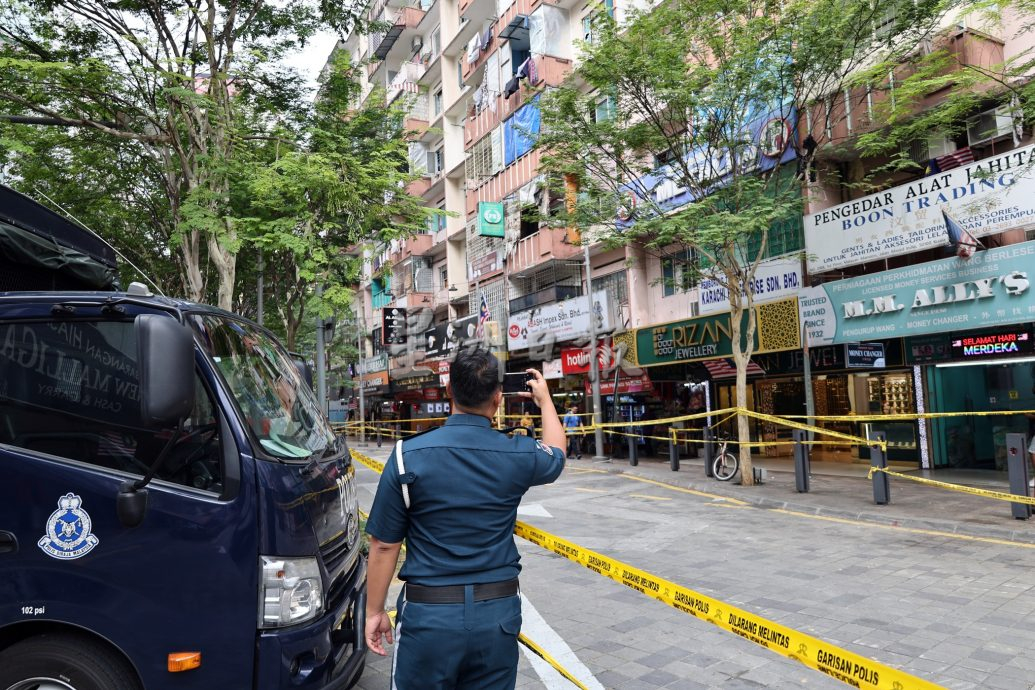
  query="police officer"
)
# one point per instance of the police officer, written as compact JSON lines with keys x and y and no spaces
{"x":454,"y":499}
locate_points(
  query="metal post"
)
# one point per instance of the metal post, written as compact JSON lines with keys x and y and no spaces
{"x":260,"y":288}
{"x":673,"y":451}
{"x":881,"y":481}
{"x":709,"y":450}
{"x":801,"y":461}
{"x":1017,"y":467}
{"x":810,"y":403}
{"x":634,"y":458}
{"x":321,"y":368}
{"x":360,"y":348}
{"x":594,"y":365}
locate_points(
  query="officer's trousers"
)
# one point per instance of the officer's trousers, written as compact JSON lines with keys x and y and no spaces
{"x":469,"y":646}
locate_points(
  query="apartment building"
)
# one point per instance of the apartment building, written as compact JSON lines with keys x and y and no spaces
{"x":942,"y":336}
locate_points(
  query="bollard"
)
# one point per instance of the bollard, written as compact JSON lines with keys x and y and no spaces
{"x":801,"y":461}
{"x":1017,"y":467}
{"x":634,"y":458}
{"x":673,"y":453}
{"x":881,"y":481}
{"x":709,"y":451}
{"x":379,"y":436}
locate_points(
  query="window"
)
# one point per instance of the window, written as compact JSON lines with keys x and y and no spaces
{"x":605,"y":109}
{"x":72,"y":389}
{"x":615,"y":284}
{"x":435,"y":162}
{"x":677,"y":274}
{"x":436,"y":102}
{"x":593,"y":17}
{"x":436,"y":43}
{"x":443,"y":276}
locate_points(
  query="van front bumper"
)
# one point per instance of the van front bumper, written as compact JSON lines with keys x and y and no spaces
{"x":326,"y":654}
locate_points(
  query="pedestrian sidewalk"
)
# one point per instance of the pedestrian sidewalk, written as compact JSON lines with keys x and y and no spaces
{"x":842,"y":490}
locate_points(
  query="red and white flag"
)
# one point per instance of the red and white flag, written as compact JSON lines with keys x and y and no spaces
{"x":963,"y":156}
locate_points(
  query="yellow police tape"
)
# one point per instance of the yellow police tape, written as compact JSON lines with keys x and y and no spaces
{"x":848,"y":667}
{"x":962,"y":488}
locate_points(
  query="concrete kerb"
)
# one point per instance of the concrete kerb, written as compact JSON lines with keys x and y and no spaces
{"x":886,"y":516}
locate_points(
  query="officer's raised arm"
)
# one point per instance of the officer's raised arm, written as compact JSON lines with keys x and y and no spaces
{"x":553,"y":431}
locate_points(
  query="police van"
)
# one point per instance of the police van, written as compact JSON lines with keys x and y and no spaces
{"x":175,"y":511}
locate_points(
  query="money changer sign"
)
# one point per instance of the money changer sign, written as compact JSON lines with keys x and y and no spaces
{"x":991,"y":289}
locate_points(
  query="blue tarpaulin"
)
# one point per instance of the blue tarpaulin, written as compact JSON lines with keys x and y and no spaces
{"x":521,"y":131}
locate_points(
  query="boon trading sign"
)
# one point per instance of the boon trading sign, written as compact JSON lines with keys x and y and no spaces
{"x":991,"y":289}
{"x":986,"y":197}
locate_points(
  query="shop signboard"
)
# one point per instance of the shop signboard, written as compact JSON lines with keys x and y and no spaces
{"x":431,"y":394}
{"x":575,"y":360}
{"x":415,"y":383}
{"x":986,"y":197}
{"x":773,"y":280}
{"x":925,"y":349}
{"x":708,"y":337}
{"x":445,"y":338}
{"x":485,"y":264}
{"x":560,"y":321}
{"x":490,"y":218}
{"x":986,"y":345}
{"x":626,"y":384}
{"x":374,"y":380}
{"x":864,"y":355}
{"x":393,"y":326}
{"x":552,"y":369}
{"x":990,"y":289}
{"x":378,"y":362}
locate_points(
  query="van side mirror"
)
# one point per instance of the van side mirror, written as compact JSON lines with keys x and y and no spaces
{"x":165,"y":357}
{"x":303,"y":368}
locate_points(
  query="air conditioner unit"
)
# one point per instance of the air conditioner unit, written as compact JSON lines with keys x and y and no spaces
{"x":989,"y":126}
{"x":416,"y":44}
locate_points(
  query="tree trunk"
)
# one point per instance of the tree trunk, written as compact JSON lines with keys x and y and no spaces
{"x":747,"y":475}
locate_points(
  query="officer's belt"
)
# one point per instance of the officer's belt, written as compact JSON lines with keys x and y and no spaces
{"x":454,"y":594}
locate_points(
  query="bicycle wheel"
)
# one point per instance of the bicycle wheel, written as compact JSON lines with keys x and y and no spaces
{"x":725,"y":466}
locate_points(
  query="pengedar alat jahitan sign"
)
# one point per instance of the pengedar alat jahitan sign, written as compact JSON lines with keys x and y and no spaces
{"x":986,"y":197}
{"x":991,"y":289}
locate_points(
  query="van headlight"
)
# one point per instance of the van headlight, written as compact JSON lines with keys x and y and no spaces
{"x":291,"y":591}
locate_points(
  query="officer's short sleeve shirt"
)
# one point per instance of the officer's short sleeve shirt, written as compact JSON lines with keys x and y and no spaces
{"x":465,"y":482}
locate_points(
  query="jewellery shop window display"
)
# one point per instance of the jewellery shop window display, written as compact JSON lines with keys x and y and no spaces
{"x":892,"y":394}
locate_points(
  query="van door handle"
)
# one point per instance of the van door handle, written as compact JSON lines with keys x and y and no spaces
{"x":8,"y":542}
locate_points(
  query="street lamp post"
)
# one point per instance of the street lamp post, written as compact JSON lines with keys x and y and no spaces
{"x":594,"y":365}
{"x":362,"y":407}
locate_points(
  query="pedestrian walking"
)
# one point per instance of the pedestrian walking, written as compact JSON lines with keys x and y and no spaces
{"x":572,"y":424}
{"x":452,"y":494}
{"x":526,"y":425}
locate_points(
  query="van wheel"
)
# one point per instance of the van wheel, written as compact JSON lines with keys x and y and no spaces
{"x":64,"y":662}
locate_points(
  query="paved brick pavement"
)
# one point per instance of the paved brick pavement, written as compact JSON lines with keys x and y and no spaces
{"x":936,"y":583}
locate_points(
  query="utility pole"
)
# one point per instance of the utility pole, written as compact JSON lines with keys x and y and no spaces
{"x":260,"y":287}
{"x":360,"y":332}
{"x":594,"y":365}
{"x":321,"y":367}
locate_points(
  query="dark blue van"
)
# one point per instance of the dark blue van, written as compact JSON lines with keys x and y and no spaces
{"x":175,"y":511}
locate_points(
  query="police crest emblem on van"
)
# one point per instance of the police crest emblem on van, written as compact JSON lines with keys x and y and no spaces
{"x":68,"y":530}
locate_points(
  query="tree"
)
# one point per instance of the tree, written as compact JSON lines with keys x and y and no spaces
{"x":339,"y":184}
{"x":675,"y":98}
{"x":192,"y":81}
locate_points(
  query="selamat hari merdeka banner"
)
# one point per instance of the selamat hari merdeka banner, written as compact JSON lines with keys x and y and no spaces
{"x":986,"y":197}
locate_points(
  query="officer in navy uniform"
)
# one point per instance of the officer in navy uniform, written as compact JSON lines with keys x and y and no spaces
{"x":454,"y":499}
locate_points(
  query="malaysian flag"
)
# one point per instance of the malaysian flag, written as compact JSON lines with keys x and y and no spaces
{"x":727,"y":368}
{"x":963,"y":156}
{"x":963,"y":242}
{"x":483,"y":315}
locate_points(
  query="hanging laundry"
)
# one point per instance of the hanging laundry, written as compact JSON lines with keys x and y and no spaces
{"x":486,"y":38}
{"x":532,"y":71}
{"x":473,"y":49}
{"x":511,"y":88}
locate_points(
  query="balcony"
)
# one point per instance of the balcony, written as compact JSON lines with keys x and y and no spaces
{"x":415,"y":245}
{"x":405,"y":83}
{"x":545,"y":245}
{"x":402,"y":19}
{"x":550,"y":295}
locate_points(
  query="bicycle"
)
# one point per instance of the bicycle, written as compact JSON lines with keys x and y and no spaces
{"x":725,"y":464}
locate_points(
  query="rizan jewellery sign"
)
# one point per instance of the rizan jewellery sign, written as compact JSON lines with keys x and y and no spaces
{"x":991,"y":289}
{"x":986,"y":197}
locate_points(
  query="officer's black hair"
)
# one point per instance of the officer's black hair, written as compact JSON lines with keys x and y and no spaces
{"x":474,"y":377}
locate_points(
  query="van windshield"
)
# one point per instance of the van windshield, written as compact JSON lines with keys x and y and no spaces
{"x":278,"y":406}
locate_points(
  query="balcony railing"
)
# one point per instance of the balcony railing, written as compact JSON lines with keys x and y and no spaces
{"x":416,"y":245}
{"x":554,"y":293}
{"x":545,"y":245}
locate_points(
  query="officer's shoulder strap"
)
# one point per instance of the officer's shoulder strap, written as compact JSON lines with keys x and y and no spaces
{"x":401,"y":465}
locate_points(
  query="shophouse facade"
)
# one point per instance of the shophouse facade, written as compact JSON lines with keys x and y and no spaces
{"x":470,"y":73}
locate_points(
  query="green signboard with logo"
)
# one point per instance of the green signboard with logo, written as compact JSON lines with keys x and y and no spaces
{"x":708,"y":337}
{"x":490,"y":218}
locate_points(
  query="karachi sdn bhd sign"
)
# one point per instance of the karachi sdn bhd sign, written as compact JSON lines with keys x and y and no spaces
{"x":708,"y":337}
{"x":991,"y":289}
